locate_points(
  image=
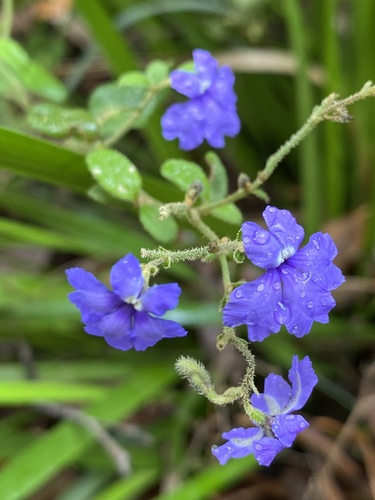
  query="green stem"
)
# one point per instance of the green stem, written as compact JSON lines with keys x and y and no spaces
{"x":7,"y":18}
{"x":330,"y":109}
{"x":207,"y":208}
{"x":195,"y":220}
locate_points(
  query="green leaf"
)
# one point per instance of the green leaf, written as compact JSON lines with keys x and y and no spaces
{"x":215,"y":478}
{"x":164,"y":231}
{"x":66,"y":442}
{"x":157,"y":71}
{"x":28,"y":392}
{"x":133,"y":79}
{"x":38,"y":159}
{"x":114,"y":107}
{"x":34,"y":77}
{"x":129,"y":487}
{"x":228,"y":213}
{"x":183,"y":173}
{"x":115,"y":173}
{"x":55,"y":121}
{"x":218,"y":176}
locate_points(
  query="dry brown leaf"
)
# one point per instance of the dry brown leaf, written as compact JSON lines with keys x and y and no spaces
{"x":50,"y":10}
{"x":348,"y":234}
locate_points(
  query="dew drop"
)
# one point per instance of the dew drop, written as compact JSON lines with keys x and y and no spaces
{"x":258,"y":447}
{"x":297,"y":238}
{"x":285,"y":270}
{"x":281,"y":313}
{"x":310,"y":305}
{"x":238,"y":294}
{"x":316,"y":244}
{"x":260,"y":287}
{"x":271,"y":210}
{"x":290,"y":417}
{"x":323,"y":302}
{"x":302,"y":294}
{"x":261,"y":237}
{"x":245,"y":239}
{"x":295,"y":329}
{"x":277,"y":285}
{"x":302,"y":425}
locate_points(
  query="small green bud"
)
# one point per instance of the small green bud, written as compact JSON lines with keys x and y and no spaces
{"x":196,"y":374}
{"x":193,"y":192}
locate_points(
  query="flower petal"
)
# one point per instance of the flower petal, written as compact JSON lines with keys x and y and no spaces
{"x":126,"y":277}
{"x":304,"y":300}
{"x":115,"y":327}
{"x":159,"y":299}
{"x":178,"y":123}
{"x":266,"y":449}
{"x":316,"y":257}
{"x":286,"y":428}
{"x":262,"y":247}
{"x":303,"y":379}
{"x":186,"y":83}
{"x":92,"y":298}
{"x":222,"y":89}
{"x":268,"y":249}
{"x":277,"y":393}
{"x":148,"y":330}
{"x":254,"y":304}
{"x":205,"y":64}
{"x":240,"y":444}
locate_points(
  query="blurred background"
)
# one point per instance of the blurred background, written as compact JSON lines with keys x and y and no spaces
{"x":287,"y":56}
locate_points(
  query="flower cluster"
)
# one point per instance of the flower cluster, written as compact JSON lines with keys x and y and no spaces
{"x":279,"y":428}
{"x":211,"y":111}
{"x":296,"y":288}
{"x":128,"y":316}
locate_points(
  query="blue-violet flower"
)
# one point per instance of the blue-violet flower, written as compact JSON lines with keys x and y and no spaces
{"x":128,"y":316}
{"x":296,"y":288}
{"x":280,"y":427}
{"x":211,"y":111}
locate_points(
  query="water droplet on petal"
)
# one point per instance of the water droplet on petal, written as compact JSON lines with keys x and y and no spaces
{"x":302,"y":425}
{"x":285,"y":270}
{"x":302,"y":294}
{"x":290,"y":417}
{"x":246,"y":239}
{"x":238,"y":294}
{"x":260,"y":287}
{"x":323,"y":302}
{"x":316,"y":244}
{"x":281,"y":313}
{"x":271,"y":210}
{"x":295,"y":329}
{"x":261,"y":237}
{"x":297,"y":238}
{"x":258,"y":447}
{"x":276,"y":285}
{"x":310,"y":305}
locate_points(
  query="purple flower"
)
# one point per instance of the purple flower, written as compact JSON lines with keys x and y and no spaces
{"x":280,"y":427}
{"x":211,"y":112}
{"x":296,"y":288}
{"x":128,"y":316}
